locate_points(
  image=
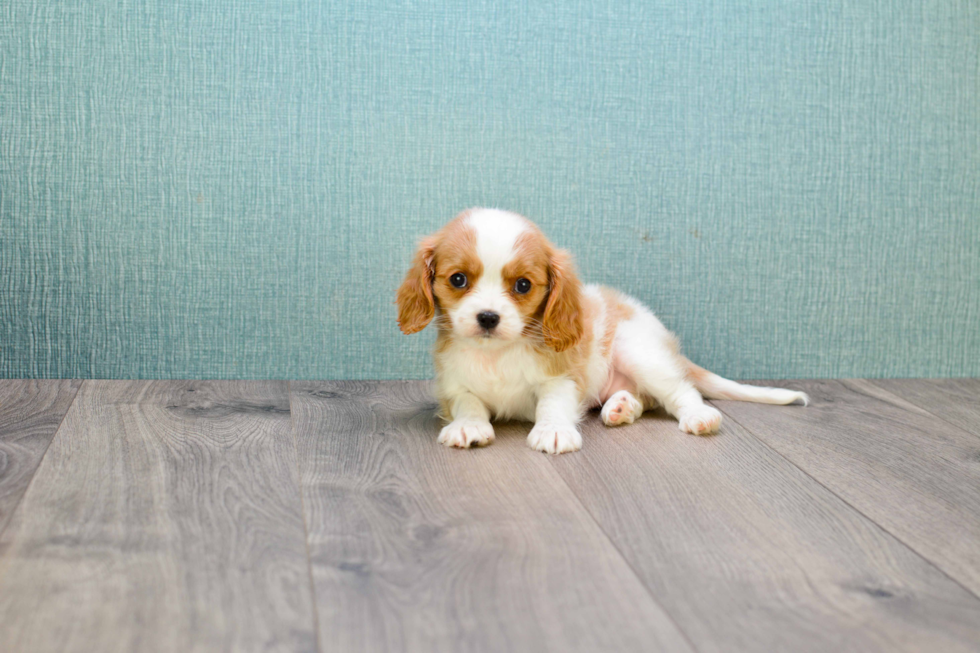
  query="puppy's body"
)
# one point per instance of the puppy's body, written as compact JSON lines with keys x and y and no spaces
{"x":520,"y":337}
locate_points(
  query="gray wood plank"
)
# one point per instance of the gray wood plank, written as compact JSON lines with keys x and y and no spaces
{"x":165,"y":516}
{"x":916,"y":476}
{"x":748,"y":553}
{"x":956,"y":401}
{"x":30,"y":412}
{"x":416,"y":547}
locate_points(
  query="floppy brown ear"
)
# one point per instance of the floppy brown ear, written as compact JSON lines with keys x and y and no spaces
{"x":416,"y":307}
{"x":562,"y":324}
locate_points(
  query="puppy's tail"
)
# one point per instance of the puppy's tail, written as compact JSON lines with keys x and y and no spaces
{"x":713,"y":386}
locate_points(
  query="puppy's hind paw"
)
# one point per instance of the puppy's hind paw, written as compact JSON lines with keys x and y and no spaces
{"x":621,"y":408}
{"x":554,"y":437}
{"x":702,"y":420}
{"x":466,"y":433}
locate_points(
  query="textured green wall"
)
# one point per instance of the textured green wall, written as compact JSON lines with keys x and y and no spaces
{"x":233,"y":189}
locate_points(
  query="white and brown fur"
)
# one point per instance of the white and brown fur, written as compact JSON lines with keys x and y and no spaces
{"x":557,"y":351}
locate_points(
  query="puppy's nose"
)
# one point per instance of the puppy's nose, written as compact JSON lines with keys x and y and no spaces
{"x":488,"y":319}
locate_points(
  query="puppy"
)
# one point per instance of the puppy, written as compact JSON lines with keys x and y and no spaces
{"x":521,"y":338}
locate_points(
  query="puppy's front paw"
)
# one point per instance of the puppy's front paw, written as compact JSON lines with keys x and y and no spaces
{"x":702,"y":420}
{"x":466,"y":433}
{"x":554,"y":437}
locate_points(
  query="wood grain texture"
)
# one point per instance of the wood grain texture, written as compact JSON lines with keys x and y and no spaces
{"x":166,"y":516}
{"x":747,"y":553}
{"x":416,"y":547}
{"x":956,"y":401}
{"x":916,"y":476}
{"x":30,"y":412}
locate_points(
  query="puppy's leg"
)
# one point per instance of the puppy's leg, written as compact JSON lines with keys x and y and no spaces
{"x":649,"y":355}
{"x":621,"y":408}
{"x":681,"y":400}
{"x":558,"y":409}
{"x":669,"y":385}
{"x":471,"y":423}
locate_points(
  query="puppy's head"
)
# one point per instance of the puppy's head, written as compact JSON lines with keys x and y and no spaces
{"x":491,"y":277}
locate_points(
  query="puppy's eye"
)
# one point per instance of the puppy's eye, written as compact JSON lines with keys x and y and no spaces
{"x":522,"y":286}
{"x":458,"y":280}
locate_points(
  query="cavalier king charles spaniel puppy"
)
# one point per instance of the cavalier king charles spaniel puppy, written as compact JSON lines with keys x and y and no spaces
{"x":521,"y":338}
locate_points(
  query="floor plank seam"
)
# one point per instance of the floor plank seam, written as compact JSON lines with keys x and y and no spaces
{"x":850,"y":505}
{"x":921,"y":407}
{"x":13,"y":509}
{"x":626,"y":561}
{"x":306,"y":527}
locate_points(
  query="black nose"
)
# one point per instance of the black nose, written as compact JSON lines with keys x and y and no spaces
{"x":488,"y":319}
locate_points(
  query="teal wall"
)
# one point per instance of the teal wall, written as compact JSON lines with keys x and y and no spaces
{"x":233,"y":189}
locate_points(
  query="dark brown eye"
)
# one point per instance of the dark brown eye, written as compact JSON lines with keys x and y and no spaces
{"x":522,"y":286}
{"x":458,"y":280}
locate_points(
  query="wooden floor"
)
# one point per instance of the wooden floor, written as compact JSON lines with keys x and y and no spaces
{"x":240,"y":516}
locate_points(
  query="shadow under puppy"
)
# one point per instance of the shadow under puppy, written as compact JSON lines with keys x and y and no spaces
{"x":521,"y":338}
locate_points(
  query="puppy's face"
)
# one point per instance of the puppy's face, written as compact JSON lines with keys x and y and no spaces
{"x":493,"y":278}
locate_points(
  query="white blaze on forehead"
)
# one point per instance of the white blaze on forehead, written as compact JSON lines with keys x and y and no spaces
{"x":496,"y":236}
{"x":497,"y":233}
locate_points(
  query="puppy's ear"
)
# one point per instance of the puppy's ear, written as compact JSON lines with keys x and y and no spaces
{"x":563,"y":323}
{"x":416,"y":306}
